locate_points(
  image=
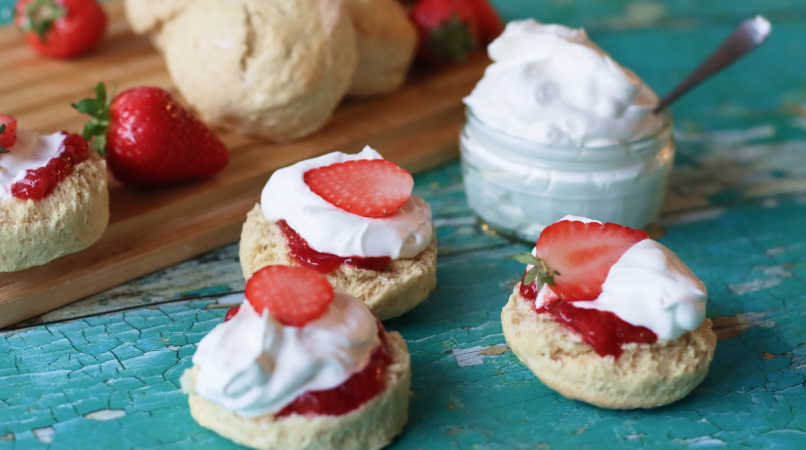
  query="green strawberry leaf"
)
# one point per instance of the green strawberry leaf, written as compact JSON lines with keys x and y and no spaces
{"x":98,"y":109}
{"x":40,"y":15}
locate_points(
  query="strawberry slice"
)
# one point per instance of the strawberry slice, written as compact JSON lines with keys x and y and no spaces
{"x":293,"y":295}
{"x":581,"y":255}
{"x":8,"y":132}
{"x":366,"y":187}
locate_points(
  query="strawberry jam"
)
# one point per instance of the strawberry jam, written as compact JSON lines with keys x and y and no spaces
{"x":301,"y":252}
{"x":602,"y":330}
{"x":41,"y":182}
{"x":357,"y":390}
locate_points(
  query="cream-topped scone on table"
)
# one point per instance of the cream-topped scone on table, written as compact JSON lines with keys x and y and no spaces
{"x":39,"y":224}
{"x":640,"y":340}
{"x":406,"y":238}
{"x":266,"y":382}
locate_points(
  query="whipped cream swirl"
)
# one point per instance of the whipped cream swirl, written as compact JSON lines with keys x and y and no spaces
{"x":253,"y":365}
{"x":330,"y":229}
{"x":649,"y":286}
{"x":30,"y":152}
{"x":550,"y":84}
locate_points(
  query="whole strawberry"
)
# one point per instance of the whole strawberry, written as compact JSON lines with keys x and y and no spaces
{"x":60,"y":28}
{"x":149,"y":139}
{"x":450,"y":30}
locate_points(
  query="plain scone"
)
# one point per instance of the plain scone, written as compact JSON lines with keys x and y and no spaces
{"x":371,"y":426}
{"x":388,"y":294}
{"x":386,"y":41}
{"x":70,"y":219}
{"x":644,"y":376}
{"x":275,"y":69}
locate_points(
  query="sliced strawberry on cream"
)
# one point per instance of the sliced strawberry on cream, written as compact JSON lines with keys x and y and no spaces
{"x":294,"y":347}
{"x":347,"y":209}
{"x":366,"y":187}
{"x":612,"y":285}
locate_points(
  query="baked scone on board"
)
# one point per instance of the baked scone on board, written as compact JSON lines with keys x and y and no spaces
{"x":352,"y":217}
{"x":386,"y":41}
{"x":608,"y":316}
{"x":299,"y":366}
{"x":53,"y":196}
{"x":274,"y":69}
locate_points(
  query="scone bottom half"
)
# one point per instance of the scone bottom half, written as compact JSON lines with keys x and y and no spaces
{"x":367,"y":410}
{"x":398,"y":288}
{"x":592,"y":354}
{"x":643,"y":376}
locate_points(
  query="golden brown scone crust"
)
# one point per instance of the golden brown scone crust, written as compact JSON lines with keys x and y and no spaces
{"x":644,"y":376}
{"x":70,"y":219}
{"x":371,"y":426}
{"x":391,"y":293}
{"x":386,"y":41}
{"x":275,"y":69}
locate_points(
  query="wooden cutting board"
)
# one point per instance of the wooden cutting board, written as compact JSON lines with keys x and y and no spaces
{"x":417,"y":126}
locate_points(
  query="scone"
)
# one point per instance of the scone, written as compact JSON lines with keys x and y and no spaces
{"x":386,"y":41}
{"x":149,"y":16}
{"x":352,"y":217}
{"x":610,"y":317}
{"x":275,"y":69}
{"x":300,"y":366}
{"x":53,"y":197}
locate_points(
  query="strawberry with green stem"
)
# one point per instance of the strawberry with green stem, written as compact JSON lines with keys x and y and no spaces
{"x":60,"y":28}
{"x":450,"y":30}
{"x":150,"y":139}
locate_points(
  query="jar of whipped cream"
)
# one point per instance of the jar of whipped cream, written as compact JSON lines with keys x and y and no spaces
{"x":557,"y":127}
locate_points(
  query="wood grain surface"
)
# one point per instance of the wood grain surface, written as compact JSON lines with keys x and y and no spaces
{"x":416,"y":126}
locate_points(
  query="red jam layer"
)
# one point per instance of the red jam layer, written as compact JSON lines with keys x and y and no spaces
{"x":301,"y":252}
{"x":602,"y":330}
{"x":41,"y":182}
{"x":357,"y":390}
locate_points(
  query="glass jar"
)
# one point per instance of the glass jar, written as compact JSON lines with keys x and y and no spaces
{"x":518,"y":187}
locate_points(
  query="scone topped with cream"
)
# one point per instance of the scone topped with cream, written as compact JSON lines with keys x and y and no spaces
{"x":606,"y":315}
{"x":352,"y":217}
{"x":298,"y":365}
{"x":53,"y":196}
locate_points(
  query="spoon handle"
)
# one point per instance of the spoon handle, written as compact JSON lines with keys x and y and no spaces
{"x":747,"y":36}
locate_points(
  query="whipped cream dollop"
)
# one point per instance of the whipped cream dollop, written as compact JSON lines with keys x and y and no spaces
{"x":330,"y":229}
{"x":551,"y":84}
{"x":31,"y":151}
{"x":253,"y":365}
{"x":649,"y":286}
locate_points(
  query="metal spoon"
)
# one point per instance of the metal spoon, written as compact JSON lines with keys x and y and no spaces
{"x":747,"y":36}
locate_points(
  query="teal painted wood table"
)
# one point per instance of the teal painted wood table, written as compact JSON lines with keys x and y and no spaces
{"x":103,"y":373}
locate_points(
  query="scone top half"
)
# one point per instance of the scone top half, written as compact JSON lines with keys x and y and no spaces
{"x":53,"y":196}
{"x":299,"y":365}
{"x":607,"y":315}
{"x":352,"y":217}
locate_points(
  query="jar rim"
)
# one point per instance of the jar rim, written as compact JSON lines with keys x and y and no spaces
{"x":664,"y":128}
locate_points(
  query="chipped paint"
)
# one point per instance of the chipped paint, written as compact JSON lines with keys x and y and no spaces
{"x":692,"y":216}
{"x":753,"y":285}
{"x":729,"y":327}
{"x":7,"y":437}
{"x":44,"y":435}
{"x":768,"y":356}
{"x":474,"y":356}
{"x":106,"y":414}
